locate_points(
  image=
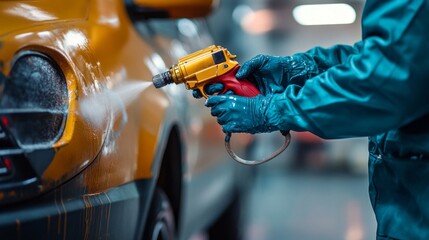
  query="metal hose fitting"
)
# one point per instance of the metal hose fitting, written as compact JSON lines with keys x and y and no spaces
{"x":162,"y":79}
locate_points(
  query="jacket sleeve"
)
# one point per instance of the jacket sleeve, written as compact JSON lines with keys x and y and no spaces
{"x":382,"y":87}
{"x":317,"y":60}
{"x":326,"y":58}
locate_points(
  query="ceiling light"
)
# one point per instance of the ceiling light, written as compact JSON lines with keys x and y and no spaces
{"x":324,"y":14}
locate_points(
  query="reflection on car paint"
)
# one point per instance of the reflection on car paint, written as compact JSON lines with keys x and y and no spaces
{"x":155,"y":64}
{"x":78,"y":48}
{"x":31,"y":12}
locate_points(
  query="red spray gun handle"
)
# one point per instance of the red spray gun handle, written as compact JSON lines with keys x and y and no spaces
{"x":240,"y":87}
{"x":246,"y":89}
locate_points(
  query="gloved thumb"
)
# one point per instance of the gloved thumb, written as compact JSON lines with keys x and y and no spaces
{"x":249,"y":67}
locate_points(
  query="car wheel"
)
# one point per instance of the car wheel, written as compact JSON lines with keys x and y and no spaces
{"x":160,"y":221}
{"x":228,"y":225}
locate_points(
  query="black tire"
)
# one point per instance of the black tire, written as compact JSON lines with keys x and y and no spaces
{"x":228,"y":225}
{"x":160,"y":221}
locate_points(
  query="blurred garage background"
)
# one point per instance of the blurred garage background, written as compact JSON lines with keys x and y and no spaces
{"x":317,"y":189}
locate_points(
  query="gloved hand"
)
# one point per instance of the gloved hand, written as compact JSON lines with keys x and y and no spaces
{"x":273,"y":74}
{"x":241,"y":114}
{"x":210,"y":89}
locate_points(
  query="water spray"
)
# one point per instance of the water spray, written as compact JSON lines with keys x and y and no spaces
{"x":97,"y":107}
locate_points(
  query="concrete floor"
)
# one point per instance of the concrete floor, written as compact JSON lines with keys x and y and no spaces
{"x":290,"y":205}
{"x":312,"y":204}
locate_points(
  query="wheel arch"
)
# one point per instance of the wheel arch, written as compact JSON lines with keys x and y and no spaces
{"x":170,"y":173}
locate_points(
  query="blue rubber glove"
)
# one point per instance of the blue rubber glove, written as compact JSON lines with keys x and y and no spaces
{"x":241,"y":114}
{"x":272,"y":74}
{"x":210,"y":89}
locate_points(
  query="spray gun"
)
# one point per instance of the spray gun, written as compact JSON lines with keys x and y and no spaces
{"x":214,"y":64}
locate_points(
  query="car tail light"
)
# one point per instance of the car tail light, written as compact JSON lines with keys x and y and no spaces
{"x":34,"y":101}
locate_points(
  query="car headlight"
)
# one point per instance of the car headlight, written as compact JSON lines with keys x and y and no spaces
{"x":34,"y":101}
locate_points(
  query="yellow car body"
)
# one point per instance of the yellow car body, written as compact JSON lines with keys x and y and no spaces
{"x":99,"y":181}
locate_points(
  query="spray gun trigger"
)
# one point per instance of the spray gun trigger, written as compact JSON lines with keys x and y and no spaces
{"x":201,"y":88}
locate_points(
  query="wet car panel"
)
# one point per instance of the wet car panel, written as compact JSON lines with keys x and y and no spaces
{"x":93,"y":181}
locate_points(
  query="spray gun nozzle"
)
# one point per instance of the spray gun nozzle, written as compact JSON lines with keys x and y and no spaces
{"x":162,"y":79}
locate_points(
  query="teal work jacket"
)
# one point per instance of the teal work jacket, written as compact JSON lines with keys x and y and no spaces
{"x":380,"y":88}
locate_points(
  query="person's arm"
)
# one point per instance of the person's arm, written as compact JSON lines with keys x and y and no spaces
{"x":382,"y":88}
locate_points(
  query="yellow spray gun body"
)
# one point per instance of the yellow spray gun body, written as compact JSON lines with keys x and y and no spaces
{"x":214,"y":64}
{"x":197,"y":69}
